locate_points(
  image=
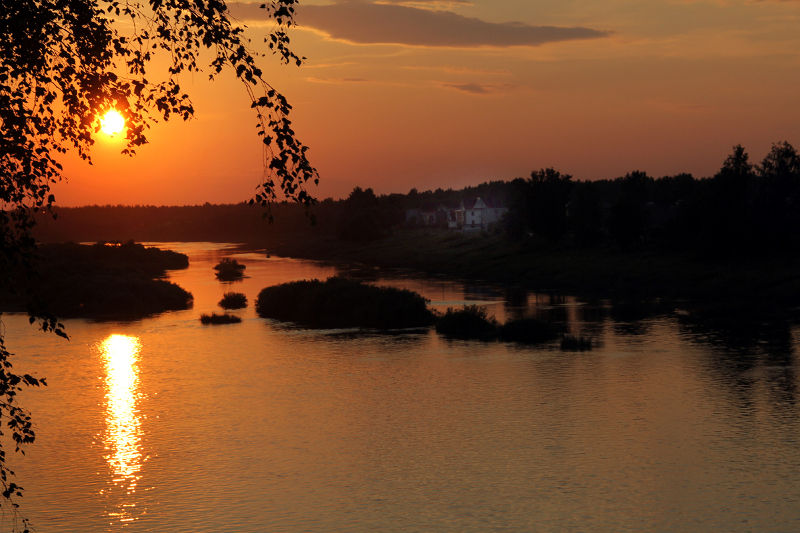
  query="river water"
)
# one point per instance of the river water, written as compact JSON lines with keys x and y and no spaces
{"x":163,"y":424}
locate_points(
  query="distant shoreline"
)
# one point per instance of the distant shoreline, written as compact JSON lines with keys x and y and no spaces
{"x":605,"y":271}
{"x":118,"y":281}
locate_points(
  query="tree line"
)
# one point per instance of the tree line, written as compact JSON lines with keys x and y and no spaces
{"x":744,"y":209}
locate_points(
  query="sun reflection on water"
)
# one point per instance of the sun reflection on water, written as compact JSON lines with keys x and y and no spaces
{"x":123,"y":434}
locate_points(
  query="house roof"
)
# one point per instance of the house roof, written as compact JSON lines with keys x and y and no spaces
{"x":491,"y":203}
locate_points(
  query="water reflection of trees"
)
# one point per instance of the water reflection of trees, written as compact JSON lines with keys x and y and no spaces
{"x":590,"y":318}
{"x":746,"y":352}
{"x":482,"y":292}
{"x":516,"y":301}
{"x":360,"y":272}
{"x":633,"y":316}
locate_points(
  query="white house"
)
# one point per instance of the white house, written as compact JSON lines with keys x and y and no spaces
{"x":478,"y":213}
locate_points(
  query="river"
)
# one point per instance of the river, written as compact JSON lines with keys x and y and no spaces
{"x":163,"y":424}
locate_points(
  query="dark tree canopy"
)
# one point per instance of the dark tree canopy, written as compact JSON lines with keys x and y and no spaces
{"x":64,"y":63}
{"x":539,"y":203}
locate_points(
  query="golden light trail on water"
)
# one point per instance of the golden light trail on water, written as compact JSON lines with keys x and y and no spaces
{"x":123,"y":427}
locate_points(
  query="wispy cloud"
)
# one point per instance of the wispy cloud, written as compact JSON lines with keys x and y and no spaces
{"x":427,"y":4}
{"x":462,"y":70}
{"x":360,"y":22}
{"x":476,"y":88}
{"x":338,"y":80}
{"x":328,"y":65}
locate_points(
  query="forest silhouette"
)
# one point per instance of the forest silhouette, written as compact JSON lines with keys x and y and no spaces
{"x":744,"y":210}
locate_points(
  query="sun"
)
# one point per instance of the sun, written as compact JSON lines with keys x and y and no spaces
{"x":112,"y":122}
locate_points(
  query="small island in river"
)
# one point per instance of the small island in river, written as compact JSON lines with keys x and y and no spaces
{"x":103,"y":280}
{"x":343,"y":303}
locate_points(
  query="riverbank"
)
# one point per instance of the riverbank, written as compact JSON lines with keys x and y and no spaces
{"x":538,"y":266}
{"x":103,"y":281}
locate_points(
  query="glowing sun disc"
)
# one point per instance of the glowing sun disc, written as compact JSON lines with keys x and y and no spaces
{"x":112,"y":122}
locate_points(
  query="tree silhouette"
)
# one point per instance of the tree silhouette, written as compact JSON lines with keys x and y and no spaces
{"x":66,"y":62}
{"x":629,"y":220}
{"x":361,"y":219}
{"x":546,"y":194}
{"x":775,"y":192}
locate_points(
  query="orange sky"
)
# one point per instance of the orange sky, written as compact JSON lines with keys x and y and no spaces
{"x":430,"y":94}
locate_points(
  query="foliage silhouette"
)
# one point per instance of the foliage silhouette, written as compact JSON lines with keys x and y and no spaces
{"x":343,"y":303}
{"x":628,"y":222}
{"x":104,"y":280}
{"x":215,"y":319}
{"x":361,"y":219}
{"x":469,"y":322}
{"x":229,"y":269}
{"x":64,"y":64}
{"x":233,"y":300}
{"x":541,"y":203}
{"x":708,"y":219}
{"x":474,"y":322}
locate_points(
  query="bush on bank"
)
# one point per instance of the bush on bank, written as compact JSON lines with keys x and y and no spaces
{"x":343,"y":303}
{"x":470,"y":322}
{"x":229,"y":270}
{"x":473,"y":322}
{"x":224,"y":318}
{"x":102,"y":280}
{"x":233,"y":300}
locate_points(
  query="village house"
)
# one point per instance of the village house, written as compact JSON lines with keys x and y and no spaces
{"x":435,"y":214}
{"x":479,"y":213}
{"x":474,"y":214}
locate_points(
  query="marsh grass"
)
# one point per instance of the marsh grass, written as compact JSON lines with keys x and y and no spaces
{"x":233,"y":300}
{"x":105,"y":280}
{"x":224,"y":318}
{"x":469,"y":322}
{"x":474,"y":322}
{"x":537,"y":265}
{"x":343,"y":303}
{"x":229,"y":270}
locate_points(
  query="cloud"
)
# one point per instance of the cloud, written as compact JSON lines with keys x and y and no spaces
{"x":462,"y":70}
{"x":476,"y":88}
{"x":340,"y":80}
{"x":427,"y":3}
{"x":328,"y":65}
{"x":365,"y":23}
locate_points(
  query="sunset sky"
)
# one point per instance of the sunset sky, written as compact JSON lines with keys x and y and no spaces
{"x":428,"y":94}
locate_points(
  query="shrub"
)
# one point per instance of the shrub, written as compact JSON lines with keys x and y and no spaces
{"x":528,"y":331}
{"x":224,"y":318}
{"x":233,"y":300}
{"x":470,"y":322}
{"x":473,"y":322}
{"x":343,"y":303}
{"x":229,"y":269}
{"x":104,"y":281}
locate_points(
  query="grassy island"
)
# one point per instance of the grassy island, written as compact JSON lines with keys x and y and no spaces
{"x":473,"y":322}
{"x":215,"y":319}
{"x":229,"y":270}
{"x":103,"y":280}
{"x":537,"y":265}
{"x":343,"y":303}
{"x":233,"y":300}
